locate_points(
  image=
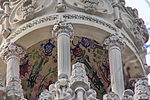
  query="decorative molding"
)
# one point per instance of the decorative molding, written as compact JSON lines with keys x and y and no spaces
{"x":33,"y":23}
{"x":90,"y":19}
{"x":56,"y":17}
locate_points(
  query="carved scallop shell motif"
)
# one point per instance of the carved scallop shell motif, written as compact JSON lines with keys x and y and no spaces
{"x":91,"y":6}
{"x":28,"y":9}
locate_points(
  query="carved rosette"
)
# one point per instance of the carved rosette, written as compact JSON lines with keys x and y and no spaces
{"x":114,"y":40}
{"x":142,"y":91}
{"x":62,"y":27}
{"x":111,"y":96}
{"x":11,"y":50}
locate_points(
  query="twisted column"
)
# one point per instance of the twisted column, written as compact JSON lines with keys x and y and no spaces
{"x":63,"y":31}
{"x":11,"y":54}
{"x":114,"y":44}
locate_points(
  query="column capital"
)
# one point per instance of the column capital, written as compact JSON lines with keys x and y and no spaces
{"x":62,"y":27}
{"x":114,"y":40}
{"x":9,"y":50}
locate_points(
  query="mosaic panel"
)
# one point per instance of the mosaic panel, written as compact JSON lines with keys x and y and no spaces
{"x":39,"y":68}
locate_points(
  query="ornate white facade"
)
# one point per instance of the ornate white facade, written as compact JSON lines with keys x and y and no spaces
{"x":105,"y":27}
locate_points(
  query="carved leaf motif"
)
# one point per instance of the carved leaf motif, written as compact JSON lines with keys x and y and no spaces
{"x":91,"y":6}
{"x":28,"y":9}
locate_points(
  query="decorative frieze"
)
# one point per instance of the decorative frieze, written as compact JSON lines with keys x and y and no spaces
{"x":52,"y":18}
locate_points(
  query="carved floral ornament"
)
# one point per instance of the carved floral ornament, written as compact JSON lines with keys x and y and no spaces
{"x":91,"y":6}
{"x":28,"y":9}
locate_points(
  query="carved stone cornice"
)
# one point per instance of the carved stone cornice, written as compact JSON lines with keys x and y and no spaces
{"x":62,"y":27}
{"x":114,"y":40}
{"x":11,"y":49}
